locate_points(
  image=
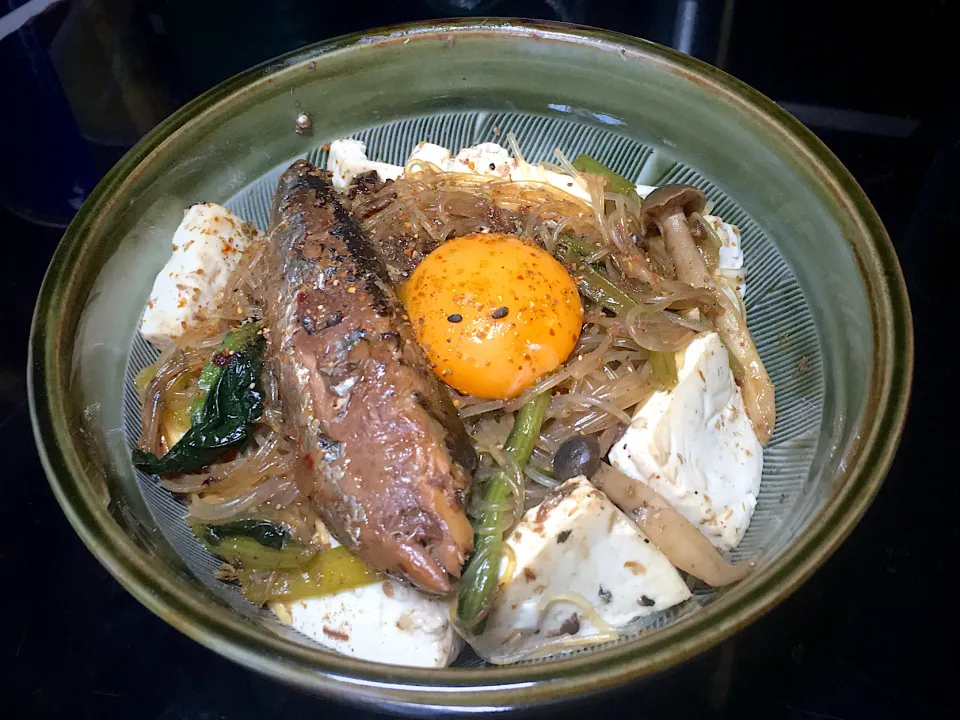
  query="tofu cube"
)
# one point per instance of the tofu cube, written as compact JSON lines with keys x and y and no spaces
{"x":348,"y":159}
{"x":696,"y":446}
{"x":386,"y":622}
{"x":583,"y":571}
{"x":207,"y":248}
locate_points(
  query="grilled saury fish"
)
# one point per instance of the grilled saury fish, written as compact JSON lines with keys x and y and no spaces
{"x":385,"y":458}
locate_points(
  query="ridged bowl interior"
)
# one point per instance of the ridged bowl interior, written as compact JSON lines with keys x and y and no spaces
{"x":825,"y":300}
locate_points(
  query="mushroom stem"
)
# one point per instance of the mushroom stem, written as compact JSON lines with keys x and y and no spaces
{"x":758,"y":394}
{"x":689,"y":263}
{"x":731,"y":326}
{"x":675,"y":536}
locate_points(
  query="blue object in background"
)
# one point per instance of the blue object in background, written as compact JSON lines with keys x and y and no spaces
{"x":47,"y":166}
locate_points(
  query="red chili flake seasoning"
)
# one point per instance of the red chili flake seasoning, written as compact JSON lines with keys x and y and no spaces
{"x":308,"y":459}
{"x":222,"y":359}
{"x":570,"y":626}
{"x":336,"y":634}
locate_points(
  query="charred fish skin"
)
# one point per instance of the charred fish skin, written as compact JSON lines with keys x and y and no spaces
{"x":386,"y":460}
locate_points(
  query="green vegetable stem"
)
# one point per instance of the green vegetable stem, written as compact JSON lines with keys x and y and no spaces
{"x":596,"y":286}
{"x":591,"y":282}
{"x":615,"y":181}
{"x":478,"y":586}
{"x":664,"y":365}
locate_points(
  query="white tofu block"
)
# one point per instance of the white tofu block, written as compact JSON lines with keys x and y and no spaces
{"x":696,"y":446}
{"x":484,"y":159}
{"x":207,"y":247}
{"x":433,"y":154}
{"x":576,"y":544}
{"x":348,"y":158}
{"x":386,"y":622}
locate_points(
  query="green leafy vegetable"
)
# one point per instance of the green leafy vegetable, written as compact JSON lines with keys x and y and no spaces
{"x":233,"y":402}
{"x":326,"y":572}
{"x":271,"y":566}
{"x":253,"y":544}
{"x":267,"y":533}
{"x":478,"y":586}
{"x":615,"y":181}
{"x":235,"y":341}
{"x":247,"y":553}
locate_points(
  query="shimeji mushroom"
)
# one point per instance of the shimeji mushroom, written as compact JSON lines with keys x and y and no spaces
{"x":667,"y":208}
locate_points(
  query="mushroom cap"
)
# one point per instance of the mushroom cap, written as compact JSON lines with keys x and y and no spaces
{"x":667,"y":199}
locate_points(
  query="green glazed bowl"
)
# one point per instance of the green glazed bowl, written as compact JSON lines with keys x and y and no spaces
{"x":826,"y":298}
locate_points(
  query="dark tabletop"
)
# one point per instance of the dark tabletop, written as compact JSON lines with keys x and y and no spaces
{"x":873,"y":634}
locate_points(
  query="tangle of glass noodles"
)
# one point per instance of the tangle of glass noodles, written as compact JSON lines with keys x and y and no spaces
{"x":608,"y":374}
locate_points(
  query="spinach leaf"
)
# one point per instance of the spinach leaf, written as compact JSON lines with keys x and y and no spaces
{"x":235,"y":400}
{"x":235,"y":341}
{"x":269,"y":534}
{"x":254,"y":544}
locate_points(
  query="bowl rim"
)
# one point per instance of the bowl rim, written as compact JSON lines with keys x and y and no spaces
{"x":866,"y":460}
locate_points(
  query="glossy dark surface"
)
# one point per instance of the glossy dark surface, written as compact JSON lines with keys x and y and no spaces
{"x":871,"y":635}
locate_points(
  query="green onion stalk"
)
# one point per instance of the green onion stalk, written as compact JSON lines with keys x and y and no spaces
{"x":478,"y":586}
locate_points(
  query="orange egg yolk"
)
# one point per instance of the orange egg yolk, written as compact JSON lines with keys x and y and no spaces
{"x":493,"y":313}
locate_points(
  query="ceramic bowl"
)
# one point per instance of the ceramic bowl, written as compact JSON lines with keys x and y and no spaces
{"x":826,"y":301}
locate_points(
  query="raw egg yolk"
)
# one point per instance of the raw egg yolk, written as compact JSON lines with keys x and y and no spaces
{"x":493,"y":313}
